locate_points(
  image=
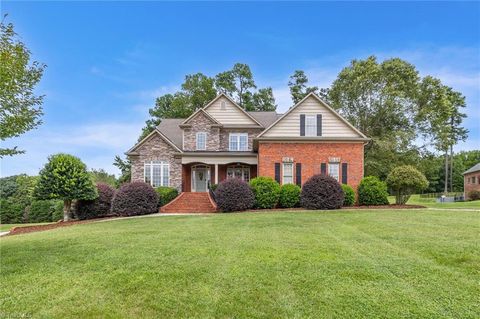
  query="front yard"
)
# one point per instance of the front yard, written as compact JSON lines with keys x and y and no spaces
{"x":345,"y":264}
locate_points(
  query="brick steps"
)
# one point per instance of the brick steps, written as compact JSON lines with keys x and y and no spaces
{"x":188,"y":202}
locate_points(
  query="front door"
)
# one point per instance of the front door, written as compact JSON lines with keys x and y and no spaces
{"x":200,"y":179}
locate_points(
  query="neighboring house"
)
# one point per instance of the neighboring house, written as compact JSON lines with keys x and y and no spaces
{"x":222,"y":141}
{"x":471,"y":180}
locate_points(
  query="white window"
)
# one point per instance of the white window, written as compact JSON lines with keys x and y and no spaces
{"x":238,"y":142}
{"x":334,"y":170}
{"x":310,"y":125}
{"x":287,"y":173}
{"x":157,"y":173}
{"x":241,"y":172}
{"x":201,"y":141}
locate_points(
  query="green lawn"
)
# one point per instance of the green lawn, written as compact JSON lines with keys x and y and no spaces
{"x":344,"y":264}
{"x":7,"y":227}
{"x":431,"y":202}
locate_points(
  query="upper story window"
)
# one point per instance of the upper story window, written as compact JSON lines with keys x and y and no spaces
{"x":157,"y":173}
{"x":334,"y":170}
{"x":310,"y":125}
{"x":201,"y":141}
{"x":238,"y":142}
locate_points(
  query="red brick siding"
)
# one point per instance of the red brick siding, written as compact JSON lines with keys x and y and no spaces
{"x":311,"y":155}
{"x":469,"y":186}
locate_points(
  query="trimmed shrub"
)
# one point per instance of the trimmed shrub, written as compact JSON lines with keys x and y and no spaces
{"x":234,"y":195}
{"x":349,"y":194}
{"x":11,"y":212}
{"x":474,"y":195}
{"x":289,"y":195}
{"x":266,"y":191}
{"x":213,"y":187}
{"x":404,"y":181}
{"x":372,"y":191}
{"x":87,"y":209}
{"x":135,"y":198}
{"x":43,"y":211}
{"x":321,"y":192}
{"x":166,"y":195}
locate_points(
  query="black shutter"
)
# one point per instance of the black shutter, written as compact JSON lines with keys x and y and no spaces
{"x":319,"y":124}
{"x":298,"y":173}
{"x":323,"y":168}
{"x":302,"y":124}
{"x":277,"y":172}
{"x":344,"y":173}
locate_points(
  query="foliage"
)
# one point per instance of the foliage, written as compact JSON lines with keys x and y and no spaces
{"x":19,"y":189}
{"x":166,"y":195}
{"x":404,"y":181}
{"x":20,"y":108}
{"x":8,"y":186}
{"x":298,"y":86}
{"x":263,"y":100}
{"x":213,"y":187}
{"x":474,"y":195}
{"x":349,"y":194}
{"x":11,"y":212}
{"x":289,"y":196}
{"x":234,"y":195}
{"x":45,"y":211}
{"x":25,"y":188}
{"x":372,"y":191}
{"x":135,"y":198}
{"x":65,"y":177}
{"x":102,"y":176}
{"x":125,"y":167}
{"x":266,"y":191}
{"x":100,"y":206}
{"x":321,"y":192}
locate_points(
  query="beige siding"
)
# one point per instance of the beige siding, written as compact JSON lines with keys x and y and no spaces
{"x":332,"y":125}
{"x":230,"y":115}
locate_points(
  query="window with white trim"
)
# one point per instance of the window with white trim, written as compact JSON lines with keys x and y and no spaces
{"x":241,"y":172}
{"x":334,"y":170}
{"x":287,"y":177}
{"x":310,"y":125}
{"x":157,"y":173}
{"x":238,"y":142}
{"x":201,"y":141}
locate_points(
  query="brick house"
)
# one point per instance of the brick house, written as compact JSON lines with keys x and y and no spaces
{"x":471,"y":180}
{"x":222,"y":141}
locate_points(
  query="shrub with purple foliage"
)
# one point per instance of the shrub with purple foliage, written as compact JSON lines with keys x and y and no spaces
{"x":135,"y":198}
{"x":322,"y":192}
{"x":87,"y":209}
{"x":234,"y":195}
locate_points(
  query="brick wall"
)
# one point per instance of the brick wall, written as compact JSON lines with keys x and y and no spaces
{"x":469,"y":186}
{"x":311,"y":155}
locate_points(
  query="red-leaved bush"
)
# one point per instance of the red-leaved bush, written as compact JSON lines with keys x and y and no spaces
{"x":135,"y":198}
{"x":234,"y":195}
{"x":87,"y":209}
{"x":322,"y":192}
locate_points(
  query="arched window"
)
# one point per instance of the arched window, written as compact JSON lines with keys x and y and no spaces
{"x":157,"y":173}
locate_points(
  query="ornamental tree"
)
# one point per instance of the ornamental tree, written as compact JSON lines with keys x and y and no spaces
{"x":404,"y":181}
{"x":65,"y":177}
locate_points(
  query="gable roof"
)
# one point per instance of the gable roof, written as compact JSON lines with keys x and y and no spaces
{"x":328,"y":107}
{"x":472,"y":169}
{"x":234,"y":103}
{"x":167,"y":128}
{"x":204,"y":113}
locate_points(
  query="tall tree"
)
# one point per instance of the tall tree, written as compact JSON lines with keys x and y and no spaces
{"x":263,"y":100}
{"x":298,"y":86}
{"x":20,"y":107}
{"x":125,"y":167}
{"x":237,"y":83}
{"x":199,"y":90}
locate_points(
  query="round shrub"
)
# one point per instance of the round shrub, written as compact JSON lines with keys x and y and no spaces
{"x":372,"y":191}
{"x":266,"y":191}
{"x":349,"y":195}
{"x":166,"y":195}
{"x":289,"y":195}
{"x":321,"y":192}
{"x":234,"y":195}
{"x":404,"y":181}
{"x":87,"y":209}
{"x":135,"y":198}
{"x":474,"y":195}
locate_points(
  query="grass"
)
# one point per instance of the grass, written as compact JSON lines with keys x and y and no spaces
{"x":344,"y":264}
{"x":7,"y":227}
{"x":431,"y":203}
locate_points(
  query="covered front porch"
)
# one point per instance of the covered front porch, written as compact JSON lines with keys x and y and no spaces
{"x":198,"y":172}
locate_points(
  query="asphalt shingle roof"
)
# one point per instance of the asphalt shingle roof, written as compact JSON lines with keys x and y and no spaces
{"x":475,"y":168}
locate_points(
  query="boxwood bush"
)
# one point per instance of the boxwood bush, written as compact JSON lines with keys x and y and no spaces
{"x":165,"y":195}
{"x":135,"y":198}
{"x":289,"y":195}
{"x":474,"y":195}
{"x":349,"y":195}
{"x":266,"y":191}
{"x":87,"y":209}
{"x":234,"y":195}
{"x":321,"y":192}
{"x":372,"y":191}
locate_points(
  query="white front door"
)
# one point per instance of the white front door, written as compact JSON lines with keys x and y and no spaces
{"x":200,"y":178}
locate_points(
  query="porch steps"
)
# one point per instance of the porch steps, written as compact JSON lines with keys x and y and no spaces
{"x":189,"y":202}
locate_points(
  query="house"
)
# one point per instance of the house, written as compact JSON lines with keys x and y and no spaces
{"x":471,"y":180}
{"x":222,"y":141}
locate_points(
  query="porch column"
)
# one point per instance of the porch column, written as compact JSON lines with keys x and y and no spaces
{"x":216,"y":173}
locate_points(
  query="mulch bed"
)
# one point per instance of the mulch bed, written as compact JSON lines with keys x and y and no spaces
{"x":35,"y":228}
{"x":343,"y":208}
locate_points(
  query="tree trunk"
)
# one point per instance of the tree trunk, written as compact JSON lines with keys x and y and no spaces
{"x":67,"y":203}
{"x":445,"y":189}
{"x":451,"y":168}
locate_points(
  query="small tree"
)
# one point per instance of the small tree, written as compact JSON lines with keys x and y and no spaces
{"x":404,"y":181}
{"x":65,"y":177}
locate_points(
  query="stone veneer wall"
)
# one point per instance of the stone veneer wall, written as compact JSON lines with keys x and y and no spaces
{"x":201,"y":123}
{"x":156,"y":149}
{"x":224,"y":137}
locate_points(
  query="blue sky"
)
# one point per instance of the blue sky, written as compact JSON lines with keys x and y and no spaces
{"x":108,"y":61}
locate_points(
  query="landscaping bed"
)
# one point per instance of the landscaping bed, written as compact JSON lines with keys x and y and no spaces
{"x":35,"y":228}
